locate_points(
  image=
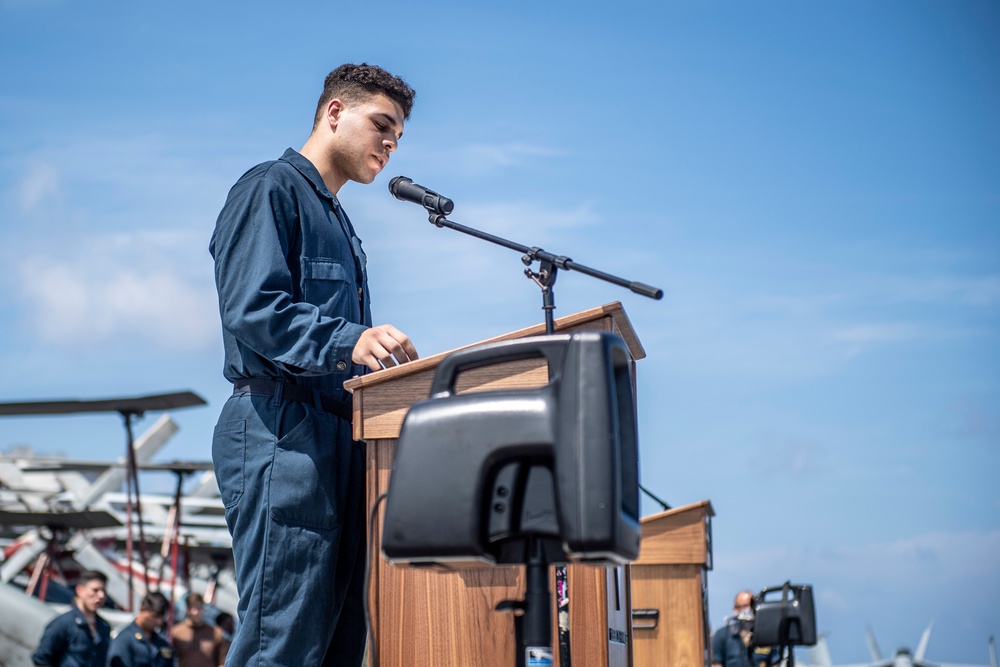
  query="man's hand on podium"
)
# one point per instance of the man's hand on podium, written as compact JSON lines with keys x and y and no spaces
{"x":383,"y":346}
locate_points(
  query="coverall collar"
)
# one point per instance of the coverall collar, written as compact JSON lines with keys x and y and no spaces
{"x":308,"y":169}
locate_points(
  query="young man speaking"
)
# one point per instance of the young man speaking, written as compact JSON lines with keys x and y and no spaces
{"x":296,"y":319}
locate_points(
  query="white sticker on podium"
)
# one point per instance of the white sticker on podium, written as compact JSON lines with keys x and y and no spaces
{"x":538,"y":656}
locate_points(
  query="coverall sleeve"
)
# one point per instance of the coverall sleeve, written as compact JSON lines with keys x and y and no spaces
{"x":718,"y":648}
{"x":52,"y":644}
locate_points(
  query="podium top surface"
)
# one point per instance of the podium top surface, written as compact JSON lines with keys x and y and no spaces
{"x":675,"y":511}
{"x":680,"y":536}
{"x":613,"y":310}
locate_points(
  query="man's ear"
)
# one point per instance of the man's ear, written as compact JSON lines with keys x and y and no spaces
{"x":333,"y":110}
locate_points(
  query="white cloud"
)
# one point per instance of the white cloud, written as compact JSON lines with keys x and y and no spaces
{"x":874,"y":333}
{"x":974,"y":291}
{"x":121,"y":285}
{"x":724,"y":332}
{"x":939,"y":558}
{"x":29,"y":4}
{"x":532,"y":221}
{"x":811,"y":328}
{"x":481,"y":157}
{"x":784,"y":455}
{"x":117,"y":178}
{"x":41,"y":181}
{"x":970,"y":417}
{"x":830,"y":598}
{"x":862,"y":337}
{"x":109,"y":237}
{"x":981,"y":291}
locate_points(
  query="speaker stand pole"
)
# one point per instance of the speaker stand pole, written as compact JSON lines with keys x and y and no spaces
{"x":533,"y":614}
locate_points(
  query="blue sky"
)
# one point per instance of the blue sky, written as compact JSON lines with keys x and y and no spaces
{"x":815,"y":186}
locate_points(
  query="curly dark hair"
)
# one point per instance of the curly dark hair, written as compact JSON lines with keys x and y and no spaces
{"x":354,"y":83}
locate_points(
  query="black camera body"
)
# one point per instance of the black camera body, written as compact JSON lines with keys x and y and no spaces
{"x":784,"y":616}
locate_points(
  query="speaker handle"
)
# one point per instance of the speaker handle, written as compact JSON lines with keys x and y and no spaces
{"x":551,"y":348}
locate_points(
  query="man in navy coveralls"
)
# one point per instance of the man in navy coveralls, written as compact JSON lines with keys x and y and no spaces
{"x":296,"y":320}
{"x":140,"y":644}
{"x":78,"y":638}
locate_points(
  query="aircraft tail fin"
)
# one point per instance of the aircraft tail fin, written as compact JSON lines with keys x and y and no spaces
{"x":925,"y":639}
{"x":873,"y":646}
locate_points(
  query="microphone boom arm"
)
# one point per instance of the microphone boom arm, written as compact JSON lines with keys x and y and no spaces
{"x":560,"y":261}
{"x":549,"y":265}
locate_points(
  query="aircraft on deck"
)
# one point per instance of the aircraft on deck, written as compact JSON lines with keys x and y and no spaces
{"x":60,"y":516}
{"x":819,"y":655}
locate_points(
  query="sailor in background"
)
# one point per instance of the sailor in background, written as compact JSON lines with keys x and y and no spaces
{"x":78,"y":638}
{"x":140,"y":644}
{"x":732,"y":644}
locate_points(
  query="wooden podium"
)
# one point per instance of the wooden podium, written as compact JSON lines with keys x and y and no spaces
{"x":670,"y":588}
{"x":429,"y":617}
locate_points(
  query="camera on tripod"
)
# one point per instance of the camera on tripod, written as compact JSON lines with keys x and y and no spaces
{"x":781,"y":616}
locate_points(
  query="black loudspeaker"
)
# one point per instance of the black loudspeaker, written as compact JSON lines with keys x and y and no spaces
{"x":785,"y":620}
{"x":479,"y":476}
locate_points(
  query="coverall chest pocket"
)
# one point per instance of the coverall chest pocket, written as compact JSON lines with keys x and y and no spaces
{"x":330,"y":285}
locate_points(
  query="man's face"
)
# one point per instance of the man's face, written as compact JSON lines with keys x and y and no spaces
{"x":367,"y":132}
{"x":196,"y":613}
{"x":91,"y":595}
{"x":742,"y":603}
{"x":148,"y":621}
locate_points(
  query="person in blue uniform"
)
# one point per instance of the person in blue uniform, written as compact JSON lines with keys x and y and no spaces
{"x":732,"y":644}
{"x":78,"y":638}
{"x":140,"y":644}
{"x":296,"y":323}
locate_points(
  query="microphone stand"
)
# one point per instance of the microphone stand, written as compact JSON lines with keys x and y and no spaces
{"x":549,"y":265}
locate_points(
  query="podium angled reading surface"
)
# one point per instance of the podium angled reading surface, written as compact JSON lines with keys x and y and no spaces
{"x":433,"y":617}
{"x":670,"y":588}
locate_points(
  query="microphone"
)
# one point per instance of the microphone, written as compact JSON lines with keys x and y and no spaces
{"x":404,"y":189}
